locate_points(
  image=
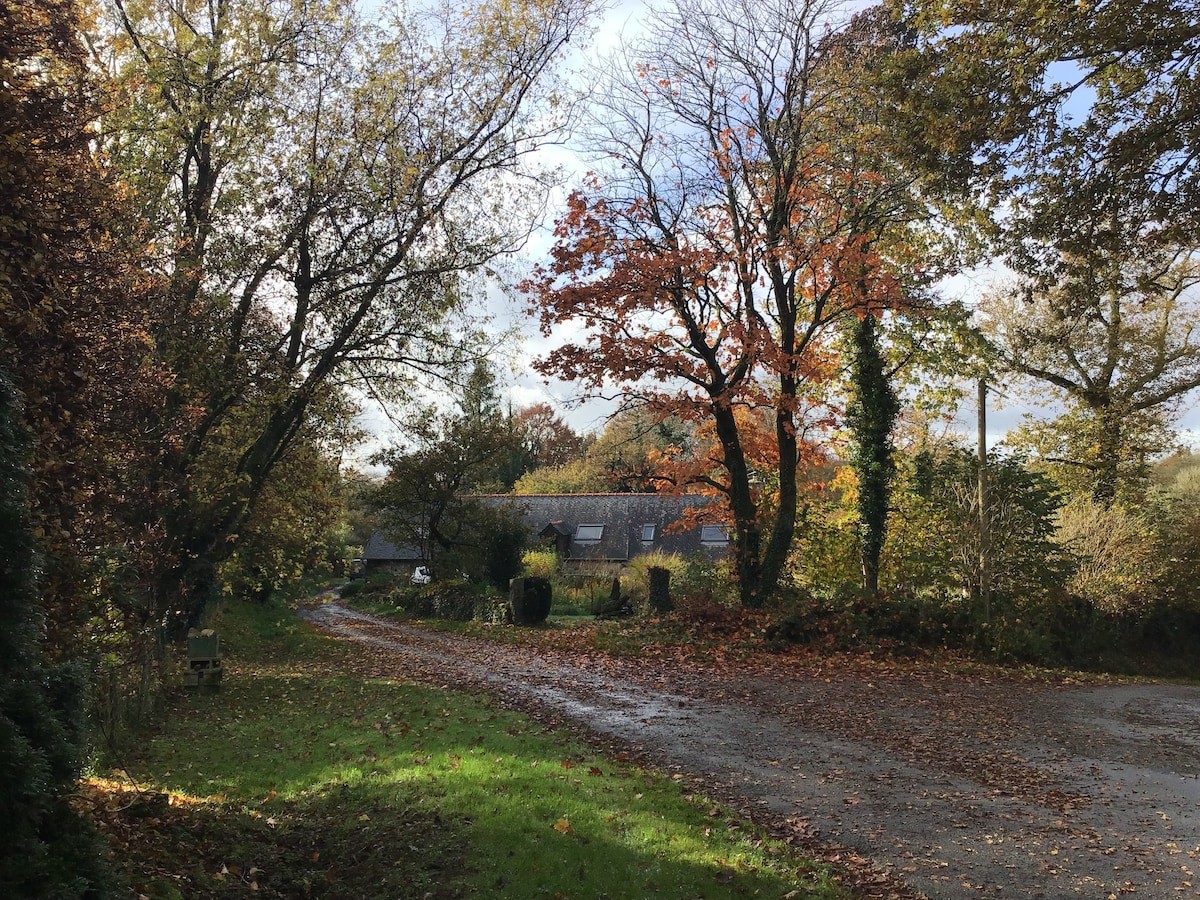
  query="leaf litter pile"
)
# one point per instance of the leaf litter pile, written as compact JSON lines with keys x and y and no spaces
{"x":174,"y":845}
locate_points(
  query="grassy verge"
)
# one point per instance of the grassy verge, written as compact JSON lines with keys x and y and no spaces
{"x":299,"y":778}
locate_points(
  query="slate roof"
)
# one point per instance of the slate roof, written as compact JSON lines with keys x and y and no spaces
{"x":380,"y":549}
{"x":622,"y":521}
{"x":602,"y":527}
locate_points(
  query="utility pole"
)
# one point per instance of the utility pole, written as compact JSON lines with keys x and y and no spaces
{"x":985,"y":548}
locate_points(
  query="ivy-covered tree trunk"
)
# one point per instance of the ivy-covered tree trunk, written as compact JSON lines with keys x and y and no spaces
{"x":48,"y":851}
{"x":872,"y":413}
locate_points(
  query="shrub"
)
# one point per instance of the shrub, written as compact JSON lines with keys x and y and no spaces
{"x":825,"y":554}
{"x":380,"y":582}
{"x":491,"y":608}
{"x":851,"y":617}
{"x":1177,"y":514}
{"x":580,"y":592}
{"x":503,"y":548}
{"x":453,"y":601}
{"x":672,"y":562}
{"x":49,"y":851}
{"x":540,"y":563}
{"x":934,"y":539}
{"x":1115,"y":552}
{"x":415,"y":600}
{"x":705,"y":577}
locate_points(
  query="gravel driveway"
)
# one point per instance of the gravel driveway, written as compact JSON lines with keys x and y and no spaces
{"x":958,"y":785}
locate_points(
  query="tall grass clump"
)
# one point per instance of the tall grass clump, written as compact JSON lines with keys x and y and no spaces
{"x":542,"y":562}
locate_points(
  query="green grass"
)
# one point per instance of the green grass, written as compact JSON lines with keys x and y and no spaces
{"x":300,"y":777}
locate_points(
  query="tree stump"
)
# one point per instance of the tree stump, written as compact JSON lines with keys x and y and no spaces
{"x":659,"y":589}
{"x":616,"y":605}
{"x":529,"y":600}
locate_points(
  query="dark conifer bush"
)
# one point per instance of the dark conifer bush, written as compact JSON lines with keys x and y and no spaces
{"x":48,"y":851}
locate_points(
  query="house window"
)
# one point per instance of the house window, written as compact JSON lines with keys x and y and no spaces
{"x":589,"y":534}
{"x":648,"y":533}
{"x":713,"y":534}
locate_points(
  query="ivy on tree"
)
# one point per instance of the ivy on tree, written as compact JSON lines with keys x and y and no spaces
{"x":870,"y":417}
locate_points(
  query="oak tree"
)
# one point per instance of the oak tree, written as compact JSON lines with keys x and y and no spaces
{"x":547,"y":440}
{"x":731,"y":220}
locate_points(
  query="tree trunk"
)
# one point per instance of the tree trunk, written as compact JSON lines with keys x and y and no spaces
{"x":747,"y":530}
{"x":784,"y":529}
{"x":1108,"y":462}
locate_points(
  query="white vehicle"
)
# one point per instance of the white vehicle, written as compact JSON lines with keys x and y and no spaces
{"x":422,"y":575}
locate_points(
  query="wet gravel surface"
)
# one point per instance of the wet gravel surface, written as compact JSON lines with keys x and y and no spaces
{"x":950,"y":784}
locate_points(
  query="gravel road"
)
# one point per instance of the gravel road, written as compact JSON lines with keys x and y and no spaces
{"x":957,"y":785}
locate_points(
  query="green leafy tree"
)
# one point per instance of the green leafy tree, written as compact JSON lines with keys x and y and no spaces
{"x":633,"y":454}
{"x":425,"y":500}
{"x":1074,"y":125}
{"x":933,"y":536}
{"x":482,"y":409}
{"x":1118,"y":346}
{"x":580,"y":477}
{"x":634,"y":446}
{"x":318,"y":205}
{"x":355,"y":490}
{"x":1178,"y":526}
{"x":297,"y":530}
{"x":1060,"y":111}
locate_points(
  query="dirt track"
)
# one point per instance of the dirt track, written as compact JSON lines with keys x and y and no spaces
{"x":960,"y":786}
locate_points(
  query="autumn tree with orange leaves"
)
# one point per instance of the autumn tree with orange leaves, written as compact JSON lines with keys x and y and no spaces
{"x":736,"y":215}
